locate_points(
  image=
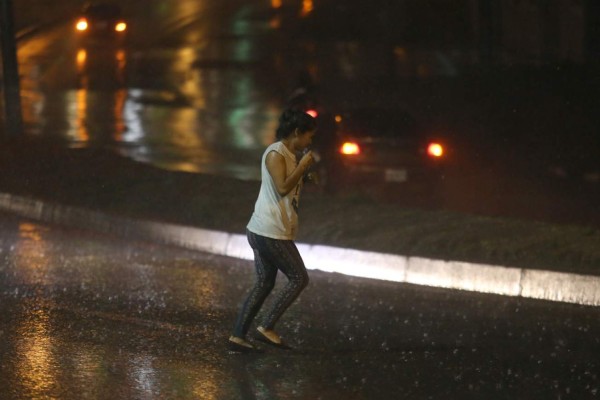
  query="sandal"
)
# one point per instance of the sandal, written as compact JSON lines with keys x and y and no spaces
{"x":240,"y":345}
{"x":263,"y":336}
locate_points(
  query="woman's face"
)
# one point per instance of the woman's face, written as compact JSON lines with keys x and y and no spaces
{"x":303,"y":140}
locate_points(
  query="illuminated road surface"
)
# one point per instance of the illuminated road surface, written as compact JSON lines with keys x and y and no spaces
{"x":86,"y":316}
{"x":191,"y":89}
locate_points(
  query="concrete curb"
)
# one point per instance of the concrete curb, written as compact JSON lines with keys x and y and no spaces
{"x":537,"y":284}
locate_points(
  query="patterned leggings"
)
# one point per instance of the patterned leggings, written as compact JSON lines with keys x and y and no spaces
{"x":269,"y":256}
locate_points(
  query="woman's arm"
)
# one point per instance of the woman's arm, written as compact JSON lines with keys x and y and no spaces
{"x":276,"y":167}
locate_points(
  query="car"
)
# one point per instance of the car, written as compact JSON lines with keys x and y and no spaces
{"x":365,"y":148}
{"x":101,"y":20}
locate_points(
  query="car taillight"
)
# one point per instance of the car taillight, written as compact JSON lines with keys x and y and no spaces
{"x":312,"y":113}
{"x":121,"y":27}
{"x":350,"y":149}
{"x":435,"y":150}
{"x":81,"y":25}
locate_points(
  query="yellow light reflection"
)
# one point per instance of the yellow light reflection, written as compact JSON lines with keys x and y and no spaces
{"x":30,"y":254}
{"x":276,"y":3}
{"x":191,"y":80}
{"x":183,"y":136}
{"x":36,"y":366}
{"x":275,"y":22}
{"x":81,"y":60}
{"x":121,"y":59}
{"x":119,"y":110}
{"x":307,"y":7}
{"x":207,"y":388}
{"x":30,"y":231}
{"x":184,"y":121}
{"x":78,"y":129}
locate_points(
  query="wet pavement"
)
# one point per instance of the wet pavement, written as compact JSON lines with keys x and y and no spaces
{"x":89,"y":316}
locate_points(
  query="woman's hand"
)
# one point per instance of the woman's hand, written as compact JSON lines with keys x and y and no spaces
{"x":276,"y":166}
{"x":306,"y":161}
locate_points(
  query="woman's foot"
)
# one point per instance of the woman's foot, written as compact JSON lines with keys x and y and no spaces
{"x":270,"y":337}
{"x":241,"y":345}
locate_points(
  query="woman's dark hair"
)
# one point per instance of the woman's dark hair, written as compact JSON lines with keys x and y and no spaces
{"x":292,"y":119}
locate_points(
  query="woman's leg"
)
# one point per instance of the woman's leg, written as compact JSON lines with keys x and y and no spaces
{"x":266,"y":274}
{"x":284,"y":254}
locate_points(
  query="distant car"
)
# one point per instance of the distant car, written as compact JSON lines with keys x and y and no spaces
{"x":375,"y":146}
{"x":101,"y":20}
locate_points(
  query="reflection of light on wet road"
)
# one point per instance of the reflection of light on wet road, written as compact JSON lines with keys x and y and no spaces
{"x":89,"y":368}
{"x":188,"y":103}
{"x":36,"y":366}
{"x":307,"y":7}
{"x":131,"y":110}
{"x":207,"y":387}
{"x":77,"y":116}
{"x":190,"y":79}
{"x":143,"y":375}
{"x":119,"y":113}
{"x":121,"y":58}
{"x":81,"y":59}
{"x":30,"y":254}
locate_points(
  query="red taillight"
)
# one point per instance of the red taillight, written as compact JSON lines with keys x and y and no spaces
{"x":350,"y":149}
{"x":312,"y":113}
{"x":435,"y":150}
{"x":81,"y":25}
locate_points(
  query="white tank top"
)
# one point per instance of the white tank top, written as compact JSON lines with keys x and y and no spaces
{"x":275,"y":216}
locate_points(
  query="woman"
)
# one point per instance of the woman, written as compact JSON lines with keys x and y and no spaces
{"x":273,"y":226}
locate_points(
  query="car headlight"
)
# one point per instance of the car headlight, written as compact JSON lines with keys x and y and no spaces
{"x":81,"y":25}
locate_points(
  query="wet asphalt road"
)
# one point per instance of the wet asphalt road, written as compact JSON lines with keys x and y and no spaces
{"x":86,"y":316}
